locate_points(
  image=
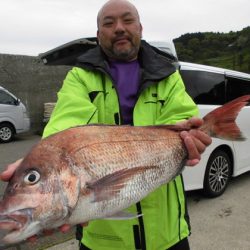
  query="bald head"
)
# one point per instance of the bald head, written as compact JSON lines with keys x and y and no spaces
{"x":119,"y":30}
{"x":114,"y":4}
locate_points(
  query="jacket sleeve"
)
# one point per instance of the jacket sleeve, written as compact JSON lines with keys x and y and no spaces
{"x":73,"y":105}
{"x":178,"y":105}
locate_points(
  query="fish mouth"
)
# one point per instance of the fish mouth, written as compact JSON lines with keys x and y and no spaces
{"x":13,"y":224}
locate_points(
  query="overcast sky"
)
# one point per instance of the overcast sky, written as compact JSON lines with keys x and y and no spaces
{"x":30,"y":27}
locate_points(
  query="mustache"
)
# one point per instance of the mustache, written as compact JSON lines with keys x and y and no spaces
{"x":120,"y":37}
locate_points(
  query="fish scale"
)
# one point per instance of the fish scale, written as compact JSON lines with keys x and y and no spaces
{"x":120,"y":155}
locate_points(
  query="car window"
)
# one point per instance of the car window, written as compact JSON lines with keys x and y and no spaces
{"x":204,"y":87}
{"x":237,"y":87}
{"x":5,"y":98}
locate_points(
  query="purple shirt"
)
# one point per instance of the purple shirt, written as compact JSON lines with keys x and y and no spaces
{"x":126,"y":80}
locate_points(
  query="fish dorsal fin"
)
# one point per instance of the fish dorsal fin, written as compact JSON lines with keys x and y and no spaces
{"x":110,"y":185}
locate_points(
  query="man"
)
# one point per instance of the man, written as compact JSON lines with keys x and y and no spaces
{"x":126,"y":81}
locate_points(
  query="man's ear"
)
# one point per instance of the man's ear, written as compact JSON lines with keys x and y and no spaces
{"x":97,"y":35}
{"x":141,"y":28}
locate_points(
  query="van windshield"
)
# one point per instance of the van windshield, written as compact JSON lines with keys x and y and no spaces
{"x":5,"y":98}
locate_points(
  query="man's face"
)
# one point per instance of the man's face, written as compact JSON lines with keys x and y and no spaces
{"x":119,"y":31}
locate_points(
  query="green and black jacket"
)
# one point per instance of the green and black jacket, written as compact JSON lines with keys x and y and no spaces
{"x":88,"y":96}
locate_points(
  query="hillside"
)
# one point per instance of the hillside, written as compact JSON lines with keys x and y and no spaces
{"x":228,"y":50}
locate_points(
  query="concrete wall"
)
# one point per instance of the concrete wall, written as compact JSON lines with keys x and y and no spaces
{"x":33,"y":82}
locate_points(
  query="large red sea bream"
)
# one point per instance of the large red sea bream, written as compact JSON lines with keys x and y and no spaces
{"x":97,"y":171}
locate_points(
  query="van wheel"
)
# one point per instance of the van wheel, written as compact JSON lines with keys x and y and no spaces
{"x":218,"y":174}
{"x":6,"y":132}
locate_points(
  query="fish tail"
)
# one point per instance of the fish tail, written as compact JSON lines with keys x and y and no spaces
{"x":221,"y":123}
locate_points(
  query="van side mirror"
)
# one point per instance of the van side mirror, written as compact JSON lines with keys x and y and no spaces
{"x":17,"y":102}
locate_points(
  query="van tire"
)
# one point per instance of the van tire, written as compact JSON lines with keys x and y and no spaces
{"x":7,"y":132}
{"x":218,"y":174}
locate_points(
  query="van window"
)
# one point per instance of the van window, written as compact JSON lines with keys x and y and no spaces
{"x":237,"y":87}
{"x":5,"y":98}
{"x":204,"y":87}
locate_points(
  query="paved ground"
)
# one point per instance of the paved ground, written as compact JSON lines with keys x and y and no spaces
{"x":217,"y":224}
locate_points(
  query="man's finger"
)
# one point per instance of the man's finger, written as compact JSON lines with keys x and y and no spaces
{"x":32,"y":239}
{"x":201,"y":136}
{"x":193,"y":152}
{"x":9,"y":171}
{"x":191,"y":163}
{"x":195,"y":122}
{"x":65,"y":228}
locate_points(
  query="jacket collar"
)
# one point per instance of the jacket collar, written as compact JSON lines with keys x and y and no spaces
{"x":155,"y":65}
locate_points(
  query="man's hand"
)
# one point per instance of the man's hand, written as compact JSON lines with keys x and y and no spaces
{"x":195,"y":141}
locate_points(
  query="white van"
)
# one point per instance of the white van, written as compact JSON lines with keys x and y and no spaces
{"x":13,"y":116}
{"x":209,"y":87}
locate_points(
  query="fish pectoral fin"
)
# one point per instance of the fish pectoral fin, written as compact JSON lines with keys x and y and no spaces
{"x":123,"y":215}
{"x":110,"y":185}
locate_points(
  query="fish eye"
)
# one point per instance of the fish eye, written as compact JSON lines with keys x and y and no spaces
{"x":32,"y":177}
